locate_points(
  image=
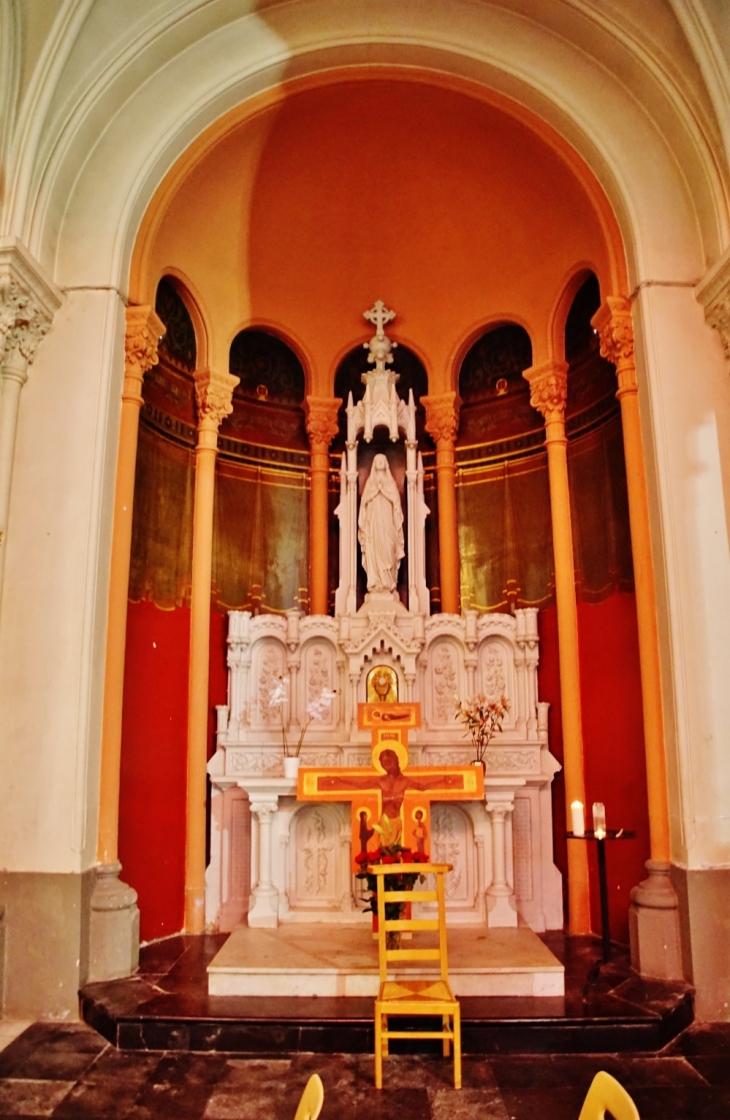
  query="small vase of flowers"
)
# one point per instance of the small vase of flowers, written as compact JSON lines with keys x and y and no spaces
{"x":482,"y":718}
{"x":317,"y":710}
{"x":389,"y":852}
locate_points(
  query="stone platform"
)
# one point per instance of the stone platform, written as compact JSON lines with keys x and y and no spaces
{"x":167,"y":1006}
{"x":340,"y":961}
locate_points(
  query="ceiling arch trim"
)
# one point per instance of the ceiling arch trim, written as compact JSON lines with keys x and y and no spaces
{"x":124,"y":119}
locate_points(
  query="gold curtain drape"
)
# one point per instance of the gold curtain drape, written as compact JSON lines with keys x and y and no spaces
{"x":261,"y":531}
{"x":163,"y":522}
{"x":505,"y":533}
{"x":599,"y":500}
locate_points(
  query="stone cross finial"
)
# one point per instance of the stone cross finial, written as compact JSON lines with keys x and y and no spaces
{"x":379,"y":315}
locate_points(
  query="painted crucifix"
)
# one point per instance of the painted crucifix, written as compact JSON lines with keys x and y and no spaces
{"x":390,"y":786}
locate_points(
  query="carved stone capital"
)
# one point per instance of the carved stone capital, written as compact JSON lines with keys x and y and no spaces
{"x":616,"y":333}
{"x":321,"y":420}
{"x":548,"y":389}
{"x":713,"y":292}
{"x":264,"y":810}
{"x":214,"y":397}
{"x":442,"y":416}
{"x":28,"y":302}
{"x":141,"y":340}
{"x":499,"y":810}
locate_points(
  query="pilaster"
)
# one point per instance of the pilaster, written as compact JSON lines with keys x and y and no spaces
{"x":114,"y":921}
{"x":549,"y":394}
{"x":214,"y":401}
{"x":713,"y":292}
{"x":442,"y":422}
{"x":321,"y":420}
{"x":28,"y":302}
{"x":654,"y":914}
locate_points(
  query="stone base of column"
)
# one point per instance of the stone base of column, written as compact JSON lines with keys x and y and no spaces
{"x":501,"y":912}
{"x":264,"y":909}
{"x":114,"y":926}
{"x":654,"y":932}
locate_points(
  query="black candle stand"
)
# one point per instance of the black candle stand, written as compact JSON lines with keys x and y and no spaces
{"x":609,"y":834}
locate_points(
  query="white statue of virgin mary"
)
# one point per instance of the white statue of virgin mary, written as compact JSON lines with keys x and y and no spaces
{"x":380,"y":527}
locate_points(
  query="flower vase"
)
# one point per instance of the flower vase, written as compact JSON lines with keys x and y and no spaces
{"x":291,"y":766}
{"x":480,"y":762}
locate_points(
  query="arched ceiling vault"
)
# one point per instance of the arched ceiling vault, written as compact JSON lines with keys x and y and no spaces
{"x":106,"y":97}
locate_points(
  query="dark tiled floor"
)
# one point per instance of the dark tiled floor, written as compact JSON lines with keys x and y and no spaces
{"x":68,"y":1072}
{"x":167,"y":1007}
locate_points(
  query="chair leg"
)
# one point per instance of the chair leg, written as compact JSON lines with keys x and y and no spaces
{"x":445,"y":1024}
{"x":457,"y":1047}
{"x":378,"y":1050}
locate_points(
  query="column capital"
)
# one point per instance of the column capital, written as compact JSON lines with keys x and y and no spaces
{"x":548,"y":389}
{"x":28,"y":302}
{"x":322,"y":421}
{"x":143,"y":333}
{"x":713,"y":292}
{"x":442,"y":417}
{"x":615,"y":329}
{"x":213,"y":397}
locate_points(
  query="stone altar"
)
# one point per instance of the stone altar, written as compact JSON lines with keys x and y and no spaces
{"x":275,"y":860}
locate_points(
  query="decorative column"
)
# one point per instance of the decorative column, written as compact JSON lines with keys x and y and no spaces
{"x":114,"y":949}
{"x":548,"y":394}
{"x":28,"y":302}
{"x":654,"y":913}
{"x":322,"y":428}
{"x":264,"y":906}
{"x":442,"y":422}
{"x":501,"y":909}
{"x":214,"y":400}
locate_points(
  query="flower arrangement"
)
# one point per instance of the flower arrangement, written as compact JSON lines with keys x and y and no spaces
{"x":317,"y":709}
{"x":481,"y":719}
{"x":389,"y":852}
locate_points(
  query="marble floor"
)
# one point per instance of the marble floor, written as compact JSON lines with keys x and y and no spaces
{"x":69,"y":1072}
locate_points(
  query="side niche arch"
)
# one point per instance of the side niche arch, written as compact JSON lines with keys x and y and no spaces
{"x":179,"y":344}
{"x":503,"y":500}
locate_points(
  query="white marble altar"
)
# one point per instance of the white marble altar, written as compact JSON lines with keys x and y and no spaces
{"x":275,"y":861}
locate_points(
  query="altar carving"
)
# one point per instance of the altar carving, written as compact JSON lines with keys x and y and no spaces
{"x":298,"y":856}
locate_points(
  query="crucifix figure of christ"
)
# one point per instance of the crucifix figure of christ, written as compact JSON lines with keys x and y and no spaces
{"x":390,"y":786}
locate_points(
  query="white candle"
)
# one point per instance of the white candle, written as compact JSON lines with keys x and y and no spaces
{"x":599,"y":819}
{"x":579,"y":822}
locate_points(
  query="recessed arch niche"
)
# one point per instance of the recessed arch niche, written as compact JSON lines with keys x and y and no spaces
{"x":412,"y":376}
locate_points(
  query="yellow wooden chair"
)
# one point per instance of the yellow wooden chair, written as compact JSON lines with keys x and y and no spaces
{"x":606,"y":1093}
{"x":310,"y":1103}
{"x":402,"y":995}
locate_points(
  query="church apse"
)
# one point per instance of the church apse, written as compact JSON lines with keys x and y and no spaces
{"x":431,"y":659}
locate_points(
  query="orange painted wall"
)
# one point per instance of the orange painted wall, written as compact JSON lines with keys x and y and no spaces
{"x":444,"y":206}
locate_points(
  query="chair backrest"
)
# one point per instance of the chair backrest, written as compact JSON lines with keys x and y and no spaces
{"x":607,"y":1093}
{"x":389,"y":892}
{"x":310,"y":1103}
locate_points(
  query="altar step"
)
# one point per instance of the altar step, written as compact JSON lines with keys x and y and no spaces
{"x":167,"y":1006}
{"x":340,"y":961}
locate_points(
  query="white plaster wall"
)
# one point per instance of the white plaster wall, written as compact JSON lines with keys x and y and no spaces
{"x":53,"y":619}
{"x":685,"y":393}
{"x":124,"y":98}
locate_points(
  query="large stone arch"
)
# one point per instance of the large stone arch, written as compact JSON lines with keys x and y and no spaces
{"x":121,"y":116}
